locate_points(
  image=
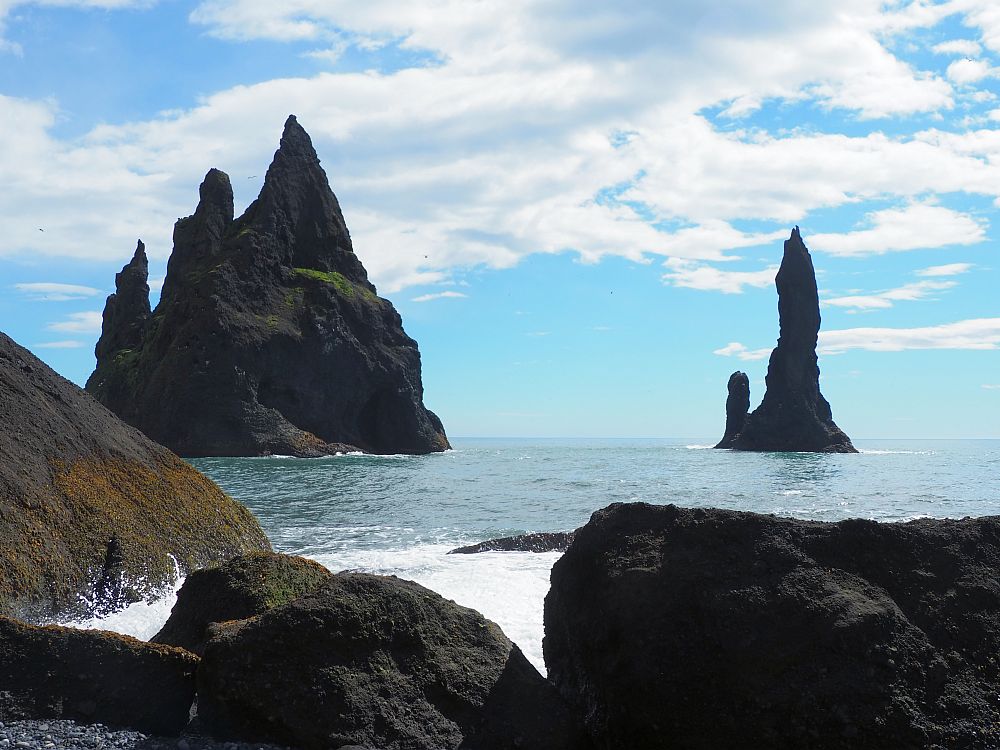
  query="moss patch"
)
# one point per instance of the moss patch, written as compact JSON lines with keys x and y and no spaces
{"x":338,"y":280}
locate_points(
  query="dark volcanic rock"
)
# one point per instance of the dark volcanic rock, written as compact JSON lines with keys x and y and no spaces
{"x":243,"y":587}
{"x":92,"y":676}
{"x":737,"y":406}
{"x":794,"y":416}
{"x":378,"y":662}
{"x":127,"y":310}
{"x":545,"y":541}
{"x":268,"y":338}
{"x":89,"y":505}
{"x":677,"y":628}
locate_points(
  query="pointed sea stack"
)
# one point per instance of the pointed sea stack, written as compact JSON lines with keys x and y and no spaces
{"x":794,"y":416}
{"x":268,"y":338}
{"x":737,"y":406}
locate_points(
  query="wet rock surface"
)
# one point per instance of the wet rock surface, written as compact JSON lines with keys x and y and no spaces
{"x":737,"y":406}
{"x":690,"y":628}
{"x":93,"y":676}
{"x":242,"y":587}
{"x":94,"y":515}
{"x":64,"y":734}
{"x":545,"y":541}
{"x":794,"y":415}
{"x":377,"y":662}
{"x":268,"y":338}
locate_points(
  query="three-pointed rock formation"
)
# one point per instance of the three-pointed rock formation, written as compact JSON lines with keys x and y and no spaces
{"x":794,"y":416}
{"x":268,"y":338}
{"x":737,"y":406}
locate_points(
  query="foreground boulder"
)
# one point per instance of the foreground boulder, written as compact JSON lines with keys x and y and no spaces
{"x":737,"y":406}
{"x":794,"y":416}
{"x":268,"y":337}
{"x":378,"y":662}
{"x":94,"y":515}
{"x":243,"y":587}
{"x":677,"y":628}
{"x":91,"y":676}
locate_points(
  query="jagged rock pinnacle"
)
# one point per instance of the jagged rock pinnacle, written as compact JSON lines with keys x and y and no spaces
{"x":127,"y":310}
{"x":737,"y":406}
{"x":794,"y":416}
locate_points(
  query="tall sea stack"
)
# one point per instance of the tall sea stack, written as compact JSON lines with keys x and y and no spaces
{"x":268,"y":338}
{"x":794,"y":416}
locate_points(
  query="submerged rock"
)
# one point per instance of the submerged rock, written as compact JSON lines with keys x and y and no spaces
{"x":378,"y":662}
{"x":794,"y":416}
{"x":268,"y":338}
{"x":245,"y":586}
{"x":737,"y":406}
{"x":91,"y":509}
{"x":91,"y":676}
{"x":544,"y":541}
{"x":672,"y":627}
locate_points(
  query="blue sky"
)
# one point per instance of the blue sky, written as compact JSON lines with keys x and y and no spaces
{"x":576,"y":208}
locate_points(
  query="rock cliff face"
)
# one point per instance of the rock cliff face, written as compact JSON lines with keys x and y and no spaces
{"x":794,"y":416}
{"x":704,"y":628}
{"x":737,"y":406}
{"x":268,"y":338}
{"x":89,"y":507}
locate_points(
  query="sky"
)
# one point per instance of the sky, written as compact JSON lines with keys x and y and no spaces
{"x":577,"y":207}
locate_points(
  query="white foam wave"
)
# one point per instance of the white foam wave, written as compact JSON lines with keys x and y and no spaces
{"x":506,"y":587}
{"x":895,"y":453}
{"x":698,"y":447}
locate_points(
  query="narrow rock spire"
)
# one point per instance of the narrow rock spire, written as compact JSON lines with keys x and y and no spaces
{"x":794,"y":416}
{"x":127,"y":310}
{"x":737,"y":406}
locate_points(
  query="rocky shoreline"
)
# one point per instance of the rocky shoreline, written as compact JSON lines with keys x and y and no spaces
{"x":69,"y":735}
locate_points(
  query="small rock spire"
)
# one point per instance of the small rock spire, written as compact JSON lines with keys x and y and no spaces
{"x":127,"y":310}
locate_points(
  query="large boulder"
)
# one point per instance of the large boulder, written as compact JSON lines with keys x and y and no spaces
{"x":92,"y":513}
{"x":91,"y":676}
{"x":678,"y":628}
{"x":268,"y":337}
{"x":794,"y":415}
{"x":245,"y":586}
{"x":377,"y":662}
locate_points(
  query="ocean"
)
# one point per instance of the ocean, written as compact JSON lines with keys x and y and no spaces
{"x":400,"y":515}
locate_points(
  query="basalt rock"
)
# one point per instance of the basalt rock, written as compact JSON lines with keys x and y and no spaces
{"x":680,"y":628}
{"x":544,"y":541}
{"x":91,"y":676}
{"x":794,"y":416}
{"x":378,"y":662}
{"x":93,"y":515}
{"x":268,"y":337}
{"x":737,"y":406}
{"x":243,"y":587}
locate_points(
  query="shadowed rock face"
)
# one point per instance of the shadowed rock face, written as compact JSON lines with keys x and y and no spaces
{"x":268,"y":337}
{"x":737,"y":406}
{"x":704,"y":628}
{"x":91,"y":508}
{"x":794,"y":416}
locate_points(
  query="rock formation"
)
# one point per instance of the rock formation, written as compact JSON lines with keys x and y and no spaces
{"x":671,"y":627}
{"x":794,"y":416}
{"x":543,"y":541}
{"x":243,"y":587}
{"x":737,"y":406}
{"x":268,"y":337}
{"x":380,"y":662}
{"x":91,"y":676}
{"x":90,"y":507}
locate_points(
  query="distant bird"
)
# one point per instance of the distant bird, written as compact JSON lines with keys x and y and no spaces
{"x":251,"y":177}
{"x":40,"y":229}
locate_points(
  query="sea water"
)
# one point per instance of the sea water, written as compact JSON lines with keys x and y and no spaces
{"x":401,"y":515}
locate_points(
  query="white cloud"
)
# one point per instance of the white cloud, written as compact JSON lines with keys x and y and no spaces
{"x":917,"y":226}
{"x":438,"y":295}
{"x":977,"y":334}
{"x":967,"y":70}
{"x":949,"y":269}
{"x":735,"y":349}
{"x":919,"y":290}
{"x":66,"y":344}
{"x":992,"y":386}
{"x":79,"y":322}
{"x":965,"y":47}
{"x":55,"y":292}
{"x":709,"y":278}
